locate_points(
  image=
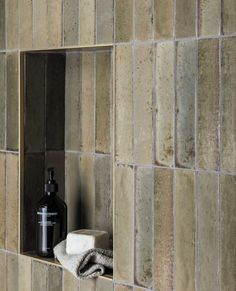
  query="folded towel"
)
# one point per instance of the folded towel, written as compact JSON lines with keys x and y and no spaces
{"x":90,"y":264}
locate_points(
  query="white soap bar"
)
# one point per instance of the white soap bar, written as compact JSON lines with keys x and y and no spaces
{"x":82,"y":240}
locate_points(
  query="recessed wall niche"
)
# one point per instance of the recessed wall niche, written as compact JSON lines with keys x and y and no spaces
{"x":66,"y":122}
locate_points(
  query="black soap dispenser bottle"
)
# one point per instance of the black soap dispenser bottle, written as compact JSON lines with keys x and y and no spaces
{"x":51,"y":219}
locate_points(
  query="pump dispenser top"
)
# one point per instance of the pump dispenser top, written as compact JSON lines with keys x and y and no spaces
{"x":51,"y":186}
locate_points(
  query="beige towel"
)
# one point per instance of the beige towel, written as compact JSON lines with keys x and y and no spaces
{"x":90,"y":264}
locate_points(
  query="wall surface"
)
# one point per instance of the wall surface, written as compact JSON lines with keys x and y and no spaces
{"x":175,"y":139}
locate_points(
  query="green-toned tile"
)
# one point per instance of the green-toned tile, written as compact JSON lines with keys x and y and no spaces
{"x":26,"y":23}
{"x":103,"y":102}
{"x":185,"y":18}
{"x":12,"y":24}
{"x":123,"y":20}
{"x":54,"y":279}
{"x":184,"y":231}
{"x":104,"y":284}
{"x":208,"y":104}
{"x":165,"y":94}
{"x":2,"y":100}
{"x":122,"y":288}
{"x":209,"y":17}
{"x":72,"y":106}
{"x":104,"y":21}
{"x":3,"y":200}
{"x":71,"y":22}
{"x":228,"y":105}
{"x":228,"y":16}
{"x":39,"y":276}
{"x":24,"y":273}
{"x":228,"y":238}
{"x":3,"y":270}
{"x":87,"y":285}
{"x":70,"y":283}
{"x":12,"y":101}
{"x":12,"y":202}
{"x":207,"y":188}
{"x":163,"y":230}
{"x":87,"y":22}
{"x":143,"y":90}
{"x":12,"y":271}
{"x":87,"y":120}
{"x":163,"y":18}
{"x":124,"y":104}
{"x":144,"y":226}
{"x":185,"y":103}
{"x":124,"y":221}
{"x":2,"y":24}
{"x":143,"y":19}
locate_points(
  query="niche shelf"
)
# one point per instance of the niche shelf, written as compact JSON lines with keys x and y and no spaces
{"x":66,"y":118}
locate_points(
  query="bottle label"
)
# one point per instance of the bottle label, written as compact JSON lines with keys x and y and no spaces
{"x":47,"y":218}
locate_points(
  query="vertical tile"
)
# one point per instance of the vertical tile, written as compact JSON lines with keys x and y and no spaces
{"x":2,"y":100}
{"x":163,"y":230}
{"x":185,"y":18}
{"x":24,"y":273}
{"x":207,"y":188}
{"x":72,"y":105}
{"x":70,"y":283}
{"x":103,"y":102}
{"x":26,"y":23}
{"x":228,"y":105}
{"x":34,"y":127}
{"x":163,"y":18}
{"x":87,"y":21}
{"x":209,"y":17}
{"x":39,"y":276}
{"x":87,"y":190}
{"x":185,"y":103}
{"x":2,"y":24}
{"x":124,"y":104}
{"x":40,"y":37}
{"x":87,"y":122}
{"x":12,"y":24}
{"x":143,"y":90}
{"x":165,"y":94}
{"x":103,"y":190}
{"x":12,"y":202}
{"x":54,"y":278}
{"x":104,"y":284}
{"x":123,"y":20}
{"x":124,"y":221}
{"x":3,"y":270}
{"x":143,"y":19}
{"x":3,"y":200}
{"x":72,"y":191}
{"x":71,"y":22}
{"x":12,"y":101}
{"x":229,"y":16}
{"x":122,"y":288}
{"x":208,"y":104}
{"x":228,"y":238}
{"x":144,"y":227}
{"x":88,"y":285}
{"x":12,"y":271}
{"x":104,"y":21}
{"x":184,"y":231}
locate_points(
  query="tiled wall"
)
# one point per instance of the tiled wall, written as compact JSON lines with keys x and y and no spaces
{"x":175,"y":147}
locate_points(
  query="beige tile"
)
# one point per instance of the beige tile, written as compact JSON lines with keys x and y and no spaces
{"x":124,"y":104}
{"x":123,"y":20}
{"x":207,"y":188}
{"x":2,"y":24}
{"x":144,"y":226}
{"x":185,"y":103}
{"x":26,"y":23}
{"x":209,"y":17}
{"x":165,"y":94}
{"x":228,"y":105}
{"x":71,"y":22}
{"x":208,"y":104}
{"x":70,"y":283}
{"x":39,"y":276}
{"x":143,"y":107}
{"x":54,"y":279}
{"x":163,"y":259}
{"x":104,"y":284}
{"x":163,"y":18}
{"x":228,"y":238}
{"x":12,"y":101}
{"x":87,"y":21}
{"x":185,"y":18}
{"x":184,"y":231}
{"x":12,"y":202}
{"x":40,"y":37}
{"x":124,"y":221}
{"x":24,"y":273}
{"x":103,"y":102}
{"x":12,"y":271}
{"x":3,"y":200}
{"x":229,"y":16}
{"x":3,"y":270}
{"x":87,"y":285}
{"x":143,"y":19}
{"x":87,"y":122}
{"x":2,"y":100}
{"x":104,"y":21}
{"x":122,"y":288}
{"x":12,"y":24}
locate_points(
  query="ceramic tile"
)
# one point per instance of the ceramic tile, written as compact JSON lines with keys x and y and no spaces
{"x":2,"y":24}
{"x":143,"y":19}
{"x":12,"y":271}
{"x":104,"y":284}
{"x":123,"y":20}
{"x":3,"y":200}
{"x":87,"y":21}
{"x":24,"y":273}
{"x":12,"y":24}
{"x":3,"y":270}
{"x":163,"y":18}
{"x":70,"y":283}
{"x":39,"y":276}
{"x":123,"y":288}
{"x":104,"y":21}
{"x":54,"y":279}
{"x":185,"y":18}
{"x":88,"y":285}
{"x":71,"y":22}
{"x":228,"y":16}
{"x":25,"y":23}
{"x":2,"y":101}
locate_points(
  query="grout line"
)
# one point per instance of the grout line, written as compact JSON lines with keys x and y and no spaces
{"x":219,"y":235}
{"x":9,"y":152}
{"x":62,"y":23}
{"x":196,"y":198}
{"x":5,"y":97}
{"x":134,"y":221}
{"x":174,"y":237}
{"x":154,"y":102}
